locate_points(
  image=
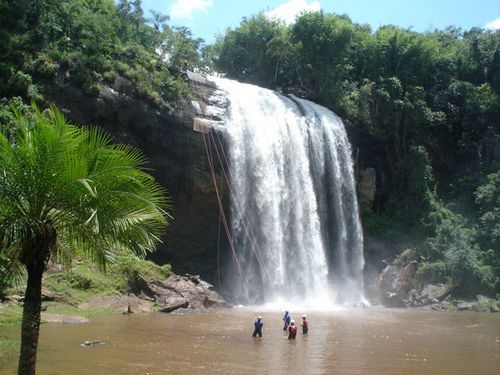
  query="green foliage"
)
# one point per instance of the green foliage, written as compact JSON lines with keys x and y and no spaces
{"x":95,"y":195}
{"x":83,"y":280}
{"x":10,"y":315}
{"x":488,"y":199}
{"x":84,"y":41}
{"x":132,"y":268}
{"x":452,"y":254}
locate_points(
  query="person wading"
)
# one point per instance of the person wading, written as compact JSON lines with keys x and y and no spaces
{"x":286,"y":319}
{"x":258,"y":327}
{"x":305,"y":325}
{"x":292,"y":330}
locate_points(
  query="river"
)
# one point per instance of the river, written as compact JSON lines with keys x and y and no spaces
{"x":364,"y":341}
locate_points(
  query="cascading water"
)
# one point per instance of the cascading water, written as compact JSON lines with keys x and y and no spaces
{"x":294,"y":212}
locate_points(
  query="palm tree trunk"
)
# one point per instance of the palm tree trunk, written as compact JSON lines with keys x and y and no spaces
{"x":31,"y":321}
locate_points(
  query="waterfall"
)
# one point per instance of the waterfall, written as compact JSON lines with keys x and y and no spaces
{"x":294,"y":213}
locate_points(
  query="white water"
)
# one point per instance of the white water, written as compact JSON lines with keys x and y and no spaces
{"x":294,"y":212}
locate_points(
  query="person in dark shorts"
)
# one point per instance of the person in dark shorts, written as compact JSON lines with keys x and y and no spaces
{"x":258,"y":327}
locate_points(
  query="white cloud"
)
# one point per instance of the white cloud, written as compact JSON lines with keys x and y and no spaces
{"x":287,"y":12}
{"x":185,"y":8}
{"x":493,"y":25}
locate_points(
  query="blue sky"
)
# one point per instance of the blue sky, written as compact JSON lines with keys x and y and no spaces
{"x":206,"y":18}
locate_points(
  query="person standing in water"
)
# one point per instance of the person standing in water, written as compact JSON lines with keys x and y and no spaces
{"x":305,"y":325}
{"x":258,"y":327}
{"x":292,"y":330}
{"x":286,"y":319}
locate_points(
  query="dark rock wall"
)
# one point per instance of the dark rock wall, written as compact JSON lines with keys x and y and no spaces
{"x":177,"y":157}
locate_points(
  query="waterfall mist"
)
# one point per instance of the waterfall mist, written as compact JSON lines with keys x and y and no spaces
{"x":294,"y":213}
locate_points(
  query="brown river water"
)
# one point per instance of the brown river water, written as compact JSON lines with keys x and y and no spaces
{"x":365,"y":341}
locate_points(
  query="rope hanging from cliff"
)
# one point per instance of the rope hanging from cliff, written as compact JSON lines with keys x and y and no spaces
{"x":222,"y":214}
{"x":243,"y":217}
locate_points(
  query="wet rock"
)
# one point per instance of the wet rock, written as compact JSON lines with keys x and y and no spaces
{"x":464,"y":306}
{"x":494,"y":308}
{"x":393,"y":300}
{"x":63,"y":319}
{"x":441,"y":306}
{"x":171,"y":303}
{"x":194,"y":278}
{"x":367,"y":189}
{"x":92,"y":343}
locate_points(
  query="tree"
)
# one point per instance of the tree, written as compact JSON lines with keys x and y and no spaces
{"x":67,"y":192}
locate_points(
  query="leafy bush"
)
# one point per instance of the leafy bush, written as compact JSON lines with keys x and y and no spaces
{"x":452,"y":255}
{"x":131,"y":268}
{"x":45,"y":66}
{"x":19,"y":83}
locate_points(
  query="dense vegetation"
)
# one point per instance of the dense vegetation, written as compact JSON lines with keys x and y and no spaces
{"x":432,"y":98}
{"x":90,"y":41}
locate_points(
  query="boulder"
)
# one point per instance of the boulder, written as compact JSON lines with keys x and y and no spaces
{"x":171,"y":303}
{"x":179,"y":292}
{"x":441,"y":306}
{"x":431,"y":293}
{"x":394,"y":283}
{"x":494,"y":308}
{"x":464,"y":306}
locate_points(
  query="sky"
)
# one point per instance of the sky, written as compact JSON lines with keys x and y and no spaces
{"x":207,"y":18}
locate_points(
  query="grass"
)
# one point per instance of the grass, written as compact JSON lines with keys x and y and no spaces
{"x":10,"y":316}
{"x":73,"y":287}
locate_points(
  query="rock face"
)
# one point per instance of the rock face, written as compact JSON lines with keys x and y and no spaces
{"x":176,"y":292}
{"x":177,"y":157}
{"x":367,"y":189}
{"x":394,"y":283}
{"x":180,"y":292}
{"x":173,"y":142}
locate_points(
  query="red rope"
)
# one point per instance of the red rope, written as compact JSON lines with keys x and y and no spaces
{"x":222,"y":214}
{"x":244,"y":219}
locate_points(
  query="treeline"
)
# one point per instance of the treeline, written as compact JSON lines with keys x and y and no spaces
{"x":93,"y":41}
{"x":432,"y":97}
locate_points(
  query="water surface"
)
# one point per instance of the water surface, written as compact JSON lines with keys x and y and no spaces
{"x":370,"y":341}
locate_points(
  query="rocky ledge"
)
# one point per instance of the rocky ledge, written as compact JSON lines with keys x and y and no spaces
{"x":176,"y":292}
{"x":395,"y":287}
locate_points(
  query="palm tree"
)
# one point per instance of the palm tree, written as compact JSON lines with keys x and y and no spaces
{"x":67,"y":192}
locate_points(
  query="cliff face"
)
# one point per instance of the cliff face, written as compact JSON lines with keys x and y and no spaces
{"x":173,"y":143}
